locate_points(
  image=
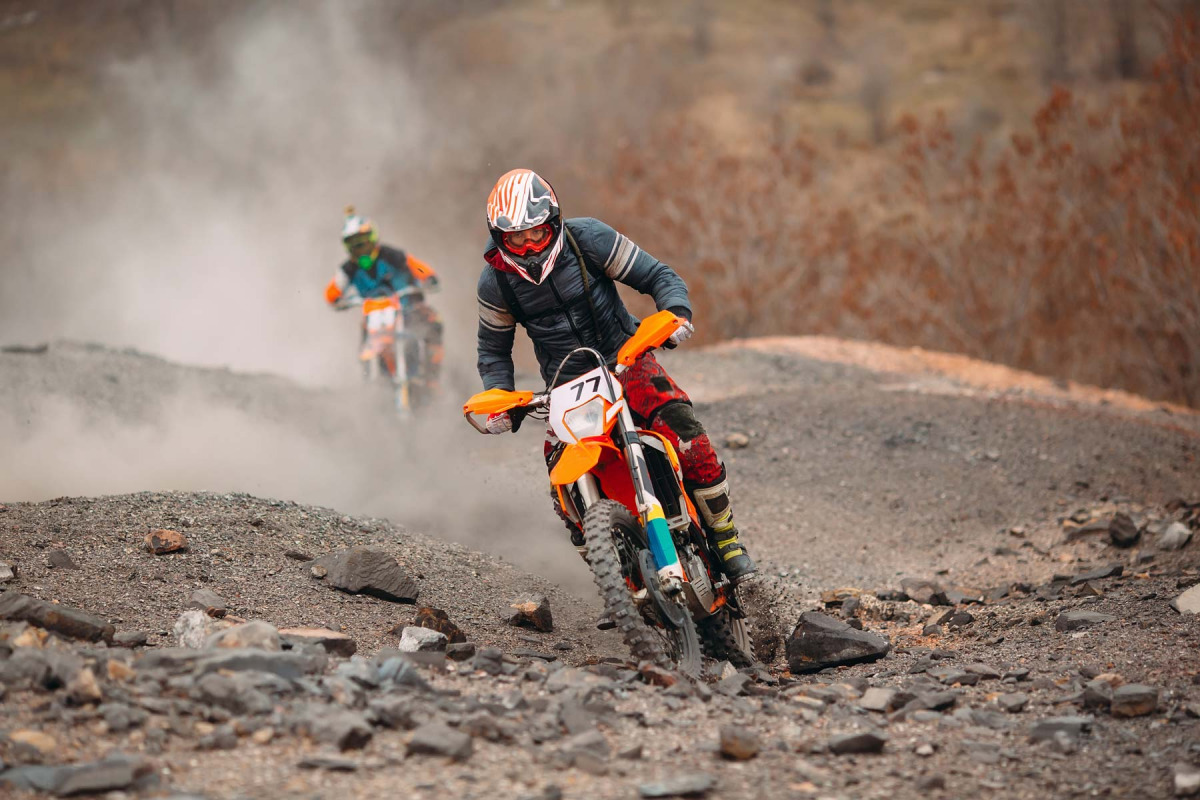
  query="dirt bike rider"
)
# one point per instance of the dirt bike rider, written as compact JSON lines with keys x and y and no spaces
{"x":557,"y":278}
{"x":376,"y":270}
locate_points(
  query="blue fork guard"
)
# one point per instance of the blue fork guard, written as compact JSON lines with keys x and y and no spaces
{"x":662,"y":546}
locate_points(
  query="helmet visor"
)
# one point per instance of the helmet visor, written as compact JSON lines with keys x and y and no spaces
{"x":530,"y":240}
{"x":360,"y":244}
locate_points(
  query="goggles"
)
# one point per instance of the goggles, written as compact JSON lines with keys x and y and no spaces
{"x":360,"y":245}
{"x":530,"y":240}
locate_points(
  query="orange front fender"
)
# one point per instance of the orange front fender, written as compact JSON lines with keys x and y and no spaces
{"x":577,"y":460}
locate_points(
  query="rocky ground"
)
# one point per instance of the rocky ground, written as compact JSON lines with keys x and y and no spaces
{"x":1019,"y":567}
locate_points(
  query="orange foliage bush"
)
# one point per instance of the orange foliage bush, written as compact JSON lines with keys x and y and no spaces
{"x":1072,"y":251}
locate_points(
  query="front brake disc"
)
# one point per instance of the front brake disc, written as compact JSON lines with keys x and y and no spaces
{"x":669,"y":611}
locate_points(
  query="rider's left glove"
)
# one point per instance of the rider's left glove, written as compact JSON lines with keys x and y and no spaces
{"x":682,"y":334}
{"x":499,"y":423}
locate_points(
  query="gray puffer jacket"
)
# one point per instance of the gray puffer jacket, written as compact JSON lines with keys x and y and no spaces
{"x":556,"y":314}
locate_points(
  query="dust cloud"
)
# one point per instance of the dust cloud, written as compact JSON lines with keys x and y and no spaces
{"x":210,"y":244}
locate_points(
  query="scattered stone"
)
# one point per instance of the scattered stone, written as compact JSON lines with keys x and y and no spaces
{"x":1072,"y":727}
{"x":738,"y":743}
{"x":111,"y":774}
{"x":346,"y":730}
{"x":35,"y":743}
{"x":162,"y":541}
{"x":436,"y":739}
{"x":1078,"y":620}
{"x":209,"y":602}
{"x":955,"y":619}
{"x":287,"y":664}
{"x":64,"y":620}
{"x":735,"y":685}
{"x":119,"y":671}
{"x":194,"y":627}
{"x":297,"y":555}
{"x":924,"y":592}
{"x":131,"y":638}
{"x":1122,"y":531}
{"x":587,"y":751}
{"x":460,"y":651}
{"x":693,"y":784}
{"x":631,"y":753}
{"x":223,"y":737}
{"x":421,"y":640}
{"x":737,"y":441}
{"x":924,"y":750}
{"x":1111,"y":571}
{"x":867,"y":742}
{"x":1134,"y":700}
{"x":257,"y":635}
{"x":83,"y":688}
{"x":327,"y":763}
{"x":1013,"y":702}
{"x":333,"y":642}
{"x":8,"y":572}
{"x":820,"y":641}
{"x":532,"y":611}
{"x":1188,"y":602}
{"x":438,"y":620}
{"x":489,"y":660}
{"x":235,"y":693}
{"x":1187,"y":780}
{"x":878,"y":699}
{"x":60,"y":559}
{"x":1175,"y":537}
{"x":984,"y":671}
{"x":657,"y":676}
{"x":368,"y":570}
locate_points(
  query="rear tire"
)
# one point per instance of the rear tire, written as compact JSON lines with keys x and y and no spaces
{"x":667,"y":647}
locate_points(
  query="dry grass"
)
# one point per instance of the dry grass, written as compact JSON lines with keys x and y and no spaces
{"x":1074,"y":250}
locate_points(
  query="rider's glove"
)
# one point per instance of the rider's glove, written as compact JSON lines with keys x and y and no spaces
{"x":681,"y":334}
{"x":499,"y":423}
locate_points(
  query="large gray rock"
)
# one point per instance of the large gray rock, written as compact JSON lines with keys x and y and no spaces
{"x":867,"y":742}
{"x":531,"y":611}
{"x":63,"y":620}
{"x":234,"y":693}
{"x":346,"y":730}
{"x":333,"y":642}
{"x":925,"y":592}
{"x":820,"y":641}
{"x":437,"y":739}
{"x":1072,"y":727}
{"x":367,"y":570}
{"x":422,"y":640}
{"x":1188,"y":602}
{"x":1134,"y":700}
{"x":76,"y":779}
{"x":286,"y":664}
{"x":1187,"y":780}
{"x":692,"y":784}
{"x":1175,"y":537}
{"x":1123,"y":531}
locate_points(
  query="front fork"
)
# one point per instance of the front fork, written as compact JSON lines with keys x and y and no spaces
{"x":654,"y":521}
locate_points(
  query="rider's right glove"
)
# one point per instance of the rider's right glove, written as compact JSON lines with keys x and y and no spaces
{"x":499,"y":423}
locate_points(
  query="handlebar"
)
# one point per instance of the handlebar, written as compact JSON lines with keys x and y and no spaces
{"x":518,"y":411}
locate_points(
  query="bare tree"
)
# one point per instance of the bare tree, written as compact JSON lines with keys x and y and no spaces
{"x":1124,"y":17}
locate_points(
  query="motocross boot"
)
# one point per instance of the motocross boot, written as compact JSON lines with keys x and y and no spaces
{"x":712,"y":503}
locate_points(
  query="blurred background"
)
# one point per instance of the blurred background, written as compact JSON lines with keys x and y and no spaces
{"x":1017,"y":180}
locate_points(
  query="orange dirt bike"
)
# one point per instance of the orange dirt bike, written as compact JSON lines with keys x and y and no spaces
{"x":388,"y":349}
{"x":656,"y":572}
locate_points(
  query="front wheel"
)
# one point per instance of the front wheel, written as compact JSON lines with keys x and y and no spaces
{"x":611,"y":535}
{"x":726,"y":637}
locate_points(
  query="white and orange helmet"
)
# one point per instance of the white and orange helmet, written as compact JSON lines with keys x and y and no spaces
{"x":526,"y":223}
